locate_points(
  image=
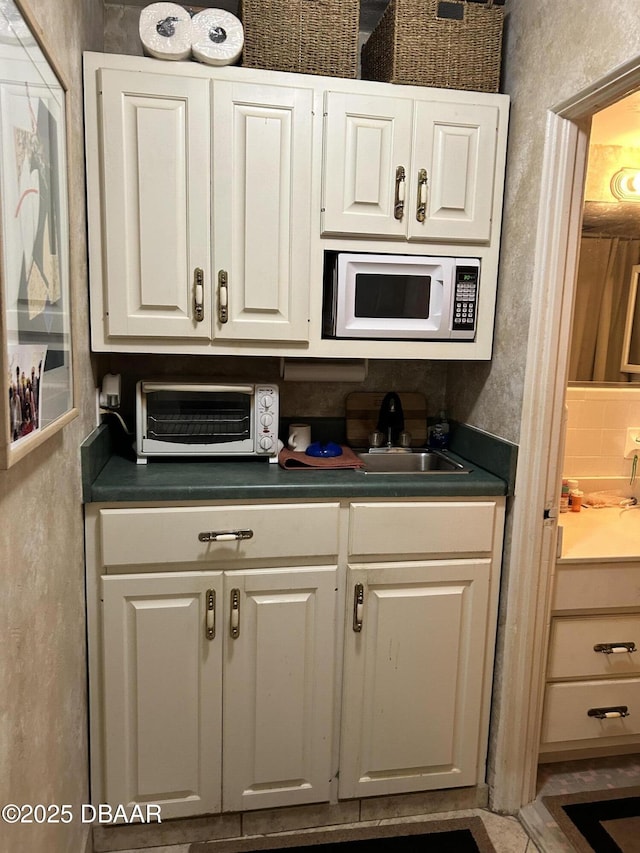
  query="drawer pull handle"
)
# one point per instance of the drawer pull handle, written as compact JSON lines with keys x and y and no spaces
{"x":358,"y":607}
{"x":613,"y":713}
{"x":614,"y":648}
{"x":234,"y":622}
{"x":224,"y":535}
{"x":211,"y":614}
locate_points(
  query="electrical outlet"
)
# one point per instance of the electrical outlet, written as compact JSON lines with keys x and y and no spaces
{"x":110,"y":392}
{"x":632,"y":443}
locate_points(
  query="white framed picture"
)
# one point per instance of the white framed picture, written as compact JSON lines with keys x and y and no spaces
{"x":34,"y":240}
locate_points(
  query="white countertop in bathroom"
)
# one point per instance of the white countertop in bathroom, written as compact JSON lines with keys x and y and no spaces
{"x":608,"y":533}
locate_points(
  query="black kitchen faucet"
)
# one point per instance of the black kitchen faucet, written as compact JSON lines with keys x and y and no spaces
{"x":391,"y":418}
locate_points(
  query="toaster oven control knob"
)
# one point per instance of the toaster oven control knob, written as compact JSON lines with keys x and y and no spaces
{"x":266,"y":419}
{"x":266,"y":442}
{"x":267,"y":401}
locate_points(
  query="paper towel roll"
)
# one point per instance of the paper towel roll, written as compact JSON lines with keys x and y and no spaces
{"x":165,"y":31}
{"x":217,"y":37}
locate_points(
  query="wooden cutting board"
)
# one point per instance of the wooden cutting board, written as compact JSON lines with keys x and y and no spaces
{"x":363,"y":407}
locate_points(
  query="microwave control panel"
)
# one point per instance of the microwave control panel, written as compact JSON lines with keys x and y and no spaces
{"x":465,"y":299}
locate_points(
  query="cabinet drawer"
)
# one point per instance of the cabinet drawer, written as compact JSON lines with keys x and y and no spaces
{"x":163,"y":535}
{"x":572,"y":653}
{"x":566,"y":715}
{"x":580,"y":586}
{"x":452,"y":527}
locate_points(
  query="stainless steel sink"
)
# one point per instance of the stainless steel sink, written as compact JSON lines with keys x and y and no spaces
{"x":410,"y":462}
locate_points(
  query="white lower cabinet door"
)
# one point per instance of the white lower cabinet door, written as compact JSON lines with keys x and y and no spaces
{"x":162,"y":687}
{"x":278,"y":694}
{"x":413,"y":679}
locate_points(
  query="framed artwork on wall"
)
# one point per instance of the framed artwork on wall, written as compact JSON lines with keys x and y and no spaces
{"x":35,"y":316}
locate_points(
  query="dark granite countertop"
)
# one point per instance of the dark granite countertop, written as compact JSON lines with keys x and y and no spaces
{"x":112,"y":477}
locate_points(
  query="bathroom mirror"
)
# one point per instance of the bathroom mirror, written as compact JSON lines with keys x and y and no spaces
{"x":36,"y":354}
{"x":631,"y":342}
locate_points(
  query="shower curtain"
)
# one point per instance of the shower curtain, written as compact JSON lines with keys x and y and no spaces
{"x":602,"y":291}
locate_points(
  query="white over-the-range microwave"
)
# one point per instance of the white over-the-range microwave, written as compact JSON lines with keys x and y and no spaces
{"x":206,"y":419}
{"x":414,"y":297}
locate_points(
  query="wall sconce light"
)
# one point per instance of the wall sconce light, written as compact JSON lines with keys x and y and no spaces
{"x":625,"y":184}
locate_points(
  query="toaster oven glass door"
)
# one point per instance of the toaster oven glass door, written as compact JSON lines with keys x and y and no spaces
{"x":194,"y":417}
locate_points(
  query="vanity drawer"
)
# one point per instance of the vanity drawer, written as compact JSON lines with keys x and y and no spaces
{"x":587,"y":586}
{"x":574,"y":650}
{"x":161,"y":535}
{"x":411,"y":527}
{"x":567,"y":704}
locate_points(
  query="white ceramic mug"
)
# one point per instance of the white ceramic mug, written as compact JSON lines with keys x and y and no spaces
{"x":299,"y":436}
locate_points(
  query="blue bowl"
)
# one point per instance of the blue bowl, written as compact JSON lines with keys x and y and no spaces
{"x":324,"y":449}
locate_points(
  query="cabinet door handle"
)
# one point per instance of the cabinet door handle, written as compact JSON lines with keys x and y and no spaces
{"x":614,"y":648}
{"x":421,"y":210}
{"x":211,"y":613}
{"x":612,"y":713}
{"x":223,"y":296}
{"x":358,"y":607}
{"x":198,"y":294}
{"x":234,"y":621}
{"x":398,"y":207}
{"x":224,"y":535}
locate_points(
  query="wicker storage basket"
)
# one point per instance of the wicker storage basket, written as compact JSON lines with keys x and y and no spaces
{"x":307,"y":36}
{"x":413,"y":43}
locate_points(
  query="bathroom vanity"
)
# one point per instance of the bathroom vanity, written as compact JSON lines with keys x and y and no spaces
{"x":592,"y":697}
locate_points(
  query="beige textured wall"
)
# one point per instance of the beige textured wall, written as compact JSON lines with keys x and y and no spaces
{"x":43,"y":740}
{"x":552,"y":51}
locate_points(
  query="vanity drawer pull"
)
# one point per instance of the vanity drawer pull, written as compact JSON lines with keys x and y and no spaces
{"x":614,"y":648}
{"x":224,"y":535}
{"x":614,"y":712}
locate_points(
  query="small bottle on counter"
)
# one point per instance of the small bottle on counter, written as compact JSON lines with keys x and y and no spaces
{"x":573,"y":486}
{"x":438,"y":436}
{"x":564,"y":496}
{"x":576,"y":500}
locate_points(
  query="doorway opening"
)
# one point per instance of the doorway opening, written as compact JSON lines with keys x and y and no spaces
{"x":534,"y":533}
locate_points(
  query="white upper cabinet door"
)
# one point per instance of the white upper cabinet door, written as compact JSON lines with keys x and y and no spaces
{"x":453,"y":171}
{"x":367,"y":150}
{"x":155,"y":136}
{"x":278,"y":687}
{"x":414,"y":669}
{"x":262,"y":149}
{"x":409,"y":169}
{"x":162,"y":691}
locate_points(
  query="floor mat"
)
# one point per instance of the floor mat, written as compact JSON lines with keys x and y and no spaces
{"x":458,"y":835}
{"x":599,"y":821}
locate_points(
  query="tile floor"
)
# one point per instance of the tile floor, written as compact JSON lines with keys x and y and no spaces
{"x":567,"y":778}
{"x":506,"y":833}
